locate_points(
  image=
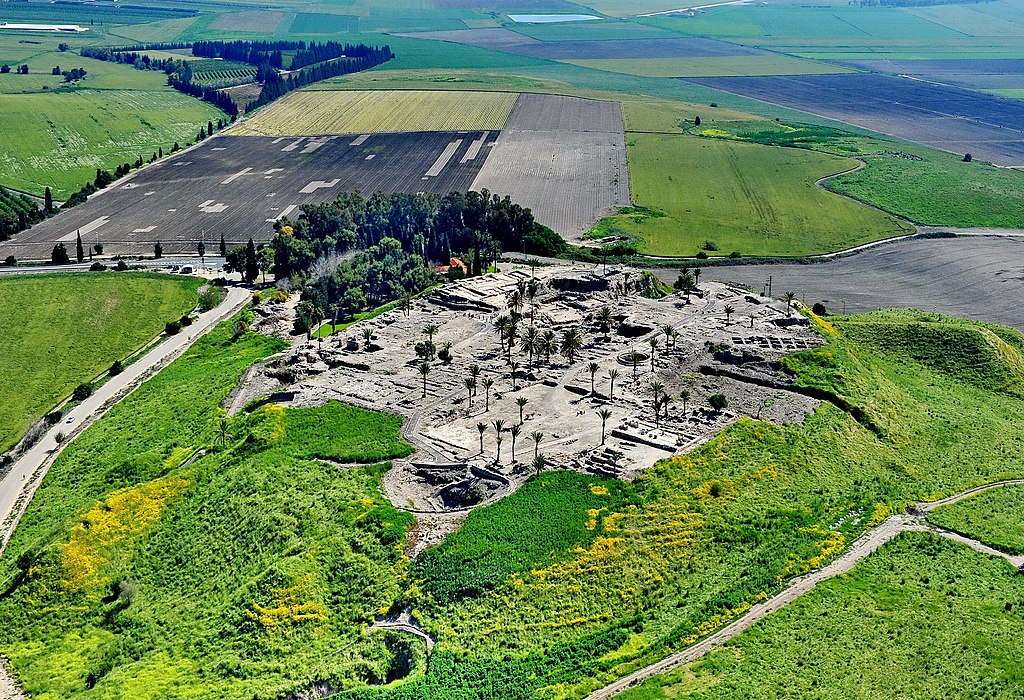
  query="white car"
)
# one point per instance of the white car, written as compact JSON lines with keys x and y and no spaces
{"x":71,"y":419}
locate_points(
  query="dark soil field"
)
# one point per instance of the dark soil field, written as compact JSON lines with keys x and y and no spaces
{"x":981,"y":278}
{"x":953,"y":119}
{"x":978,"y":74}
{"x":564,"y":158}
{"x":513,"y":42}
{"x":238,"y":185}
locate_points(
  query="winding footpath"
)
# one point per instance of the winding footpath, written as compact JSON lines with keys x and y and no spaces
{"x":869,"y":542}
{"x":19,"y":483}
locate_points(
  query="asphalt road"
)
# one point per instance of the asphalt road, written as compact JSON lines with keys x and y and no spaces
{"x":19,"y":484}
{"x":210,"y":262}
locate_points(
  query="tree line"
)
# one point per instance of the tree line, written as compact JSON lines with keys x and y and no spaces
{"x":474,"y":226}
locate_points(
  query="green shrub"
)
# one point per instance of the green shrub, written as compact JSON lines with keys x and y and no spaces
{"x":172,"y":327}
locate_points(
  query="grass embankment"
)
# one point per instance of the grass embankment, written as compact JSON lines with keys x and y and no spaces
{"x":62,"y":330}
{"x":922,"y":617}
{"x":645,"y":569}
{"x":57,"y":135}
{"x":750,"y":198}
{"x":136,"y":574}
{"x":994,"y":517}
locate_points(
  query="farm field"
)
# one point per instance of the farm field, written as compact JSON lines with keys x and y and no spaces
{"x":921,"y":617}
{"x":994,"y":517}
{"x":971,"y":277}
{"x":239,"y":185}
{"x":702,"y":66}
{"x":62,"y":330}
{"x":973,"y":73}
{"x":757,"y":200}
{"x":58,"y":138}
{"x":307,"y":113}
{"x":948,"y":118}
{"x":564,"y":158}
{"x":259,"y":21}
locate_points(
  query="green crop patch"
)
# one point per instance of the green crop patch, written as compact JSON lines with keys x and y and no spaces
{"x":754,"y":199}
{"x":62,"y":330}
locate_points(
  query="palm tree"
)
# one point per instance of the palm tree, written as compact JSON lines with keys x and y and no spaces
{"x":571,"y":344}
{"x":685,"y":396}
{"x":729,"y":311}
{"x":488,"y":383}
{"x":653,"y":342}
{"x":529,"y":344}
{"x":521,"y":402}
{"x":481,"y":428}
{"x":501,"y":326}
{"x":605,"y":414}
{"x":515,"y":301}
{"x":532,"y":287}
{"x":334,"y":315}
{"x":424,"y":370}
{"x":514,"y":431}
{"x":223,"y":425}
{"x":511,"y":333}
{"x":538,"y":463}
{"x":668,"y":330}
{"x":592,"y":368}
{"x":470,"y":385}
{"x":656,"y":389}
{"x":514,"y":366}
{"x":536,"y":436}
{"x":635,"y":358}
{"x":550,"y":343}
{"x":659,"y":402}
{"x":613,"y":374}
{"x":789,"y":297}
{"x":367,"y":336}
{"x":605,"y":320}
{"x":474,"y":372}
{"x":696,"y":277}
{"x":499,"y":425}
{"x":429,"y":330}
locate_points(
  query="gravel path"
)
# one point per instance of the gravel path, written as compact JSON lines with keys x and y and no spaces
{"x":865,"y":545}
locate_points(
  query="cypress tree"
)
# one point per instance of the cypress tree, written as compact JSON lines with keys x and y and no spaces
{"x":252,"y":269}
{"x":158,"y":250}
{"x":79,"y":250}
{"x":223,"y":246}
{"x":48,"y":200}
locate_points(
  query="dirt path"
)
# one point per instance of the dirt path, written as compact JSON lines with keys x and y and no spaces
{"x":862,"y":547}
{"x":8,"y":688}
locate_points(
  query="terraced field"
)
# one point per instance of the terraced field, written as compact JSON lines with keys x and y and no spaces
{"x":309,"y":113}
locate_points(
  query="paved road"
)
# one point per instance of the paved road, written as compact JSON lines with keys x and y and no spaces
{"x":211,"y":262}
{"x":25,"y":475}
{"x":865,"y":545}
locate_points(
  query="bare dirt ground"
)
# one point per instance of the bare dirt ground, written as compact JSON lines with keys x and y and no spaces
{"x":450,"y":473}
{"x":978,"y":277}
{"x":8,"y":688}
{"x":564,"y":158}
{"x":868,"y":543}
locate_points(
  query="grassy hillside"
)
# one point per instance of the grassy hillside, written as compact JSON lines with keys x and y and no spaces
{"x":922,"y":617}
{"x":137,"y":573}
{"x":240,"y":575}
{"x":994,"y":517}
{"x":755,"y":199}
{"x":61,"y":330}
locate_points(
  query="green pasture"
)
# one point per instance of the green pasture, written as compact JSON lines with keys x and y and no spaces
{"x":61,"y":330}
{"x":922,"y":617}
{"x":994,"y":517}
{"x":754,"y":199}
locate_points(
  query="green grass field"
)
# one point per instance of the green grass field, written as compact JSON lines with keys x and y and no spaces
{"x":757,"y":200}
{"x":705,"y":67}
{"x":994,"y":517}
{"x":61,"y":330}
{"x":58,"y":135}
{"x":922,"y":617}
{"x":939,"y":189}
